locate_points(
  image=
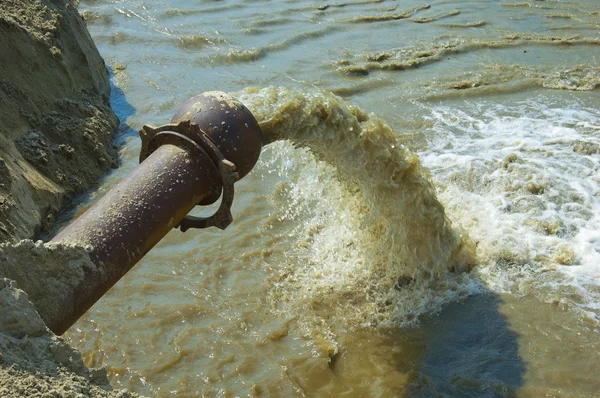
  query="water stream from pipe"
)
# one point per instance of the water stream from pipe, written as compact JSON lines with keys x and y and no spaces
{"x":427,"y":229}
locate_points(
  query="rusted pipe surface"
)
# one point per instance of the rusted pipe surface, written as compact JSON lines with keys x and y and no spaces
{"x":182,"y":165}
{"x":133,"y":217}
{"x":230,"y":125}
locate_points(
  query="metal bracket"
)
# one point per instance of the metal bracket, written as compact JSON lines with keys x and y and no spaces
{"x":153,"y":137}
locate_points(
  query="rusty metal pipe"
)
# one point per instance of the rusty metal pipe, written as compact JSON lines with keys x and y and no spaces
{"x":178,"y":170}
{"x":230,"y":125}
{"x":130,"y":219}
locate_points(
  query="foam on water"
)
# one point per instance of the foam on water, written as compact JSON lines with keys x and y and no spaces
{"x":524,"y":180}
{"x":373,"y":243}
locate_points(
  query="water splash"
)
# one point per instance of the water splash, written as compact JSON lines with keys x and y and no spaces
{"x":523,"y":179}
{"x":382,"y":249}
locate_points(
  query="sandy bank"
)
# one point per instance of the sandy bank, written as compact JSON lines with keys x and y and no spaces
{"x":56,"y":124}
{"x":33,"y":361}
{"x":56,"y":128}
{"x":36,"y":363}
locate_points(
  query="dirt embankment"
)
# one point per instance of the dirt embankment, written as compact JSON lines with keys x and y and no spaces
{"x":56,"y":124}
{"x":56,"y":128}
{"x":33,"y":361}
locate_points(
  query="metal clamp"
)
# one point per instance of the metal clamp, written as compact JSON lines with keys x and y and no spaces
{"x":188,"y":133}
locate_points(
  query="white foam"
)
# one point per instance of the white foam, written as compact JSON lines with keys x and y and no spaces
{"x":524,"y":180}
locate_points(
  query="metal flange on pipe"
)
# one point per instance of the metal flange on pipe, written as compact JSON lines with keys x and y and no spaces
{"x":212,"y":141}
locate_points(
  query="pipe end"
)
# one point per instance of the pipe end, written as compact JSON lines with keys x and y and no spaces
{"x":230,"y":125}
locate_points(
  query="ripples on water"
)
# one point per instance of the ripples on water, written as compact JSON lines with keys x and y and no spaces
{"x":325,"y":284}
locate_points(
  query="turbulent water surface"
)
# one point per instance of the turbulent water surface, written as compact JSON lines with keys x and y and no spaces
{"x":426,"y":224}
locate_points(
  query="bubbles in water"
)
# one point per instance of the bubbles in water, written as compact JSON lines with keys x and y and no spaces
{"x":524,"y":181}
{"x":372,"y":242}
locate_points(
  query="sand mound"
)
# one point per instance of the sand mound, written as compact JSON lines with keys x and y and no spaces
{"x":56,"y":124}
{"x":34,"y":362}
{"x":56,"y":128}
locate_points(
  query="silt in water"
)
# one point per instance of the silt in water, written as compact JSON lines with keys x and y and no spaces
{"x":354,"y":268}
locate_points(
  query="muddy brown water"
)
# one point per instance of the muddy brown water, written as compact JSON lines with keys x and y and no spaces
{"x":464,"y":135}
